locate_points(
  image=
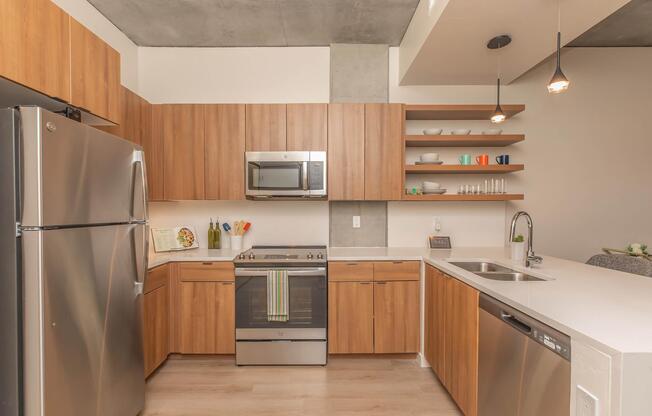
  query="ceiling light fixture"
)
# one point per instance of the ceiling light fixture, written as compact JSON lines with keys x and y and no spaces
{"x":559,"y":82}
{"x":496,"y":43}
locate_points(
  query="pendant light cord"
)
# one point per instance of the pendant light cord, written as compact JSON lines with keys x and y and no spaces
{"x":558,"y":34}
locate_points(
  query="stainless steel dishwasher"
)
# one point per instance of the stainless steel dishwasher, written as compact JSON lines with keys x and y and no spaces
{"x":524,"y":365}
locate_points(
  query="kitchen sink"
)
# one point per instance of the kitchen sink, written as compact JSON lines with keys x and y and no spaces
{"x":510,"y":277}
{"x":495,"y":272}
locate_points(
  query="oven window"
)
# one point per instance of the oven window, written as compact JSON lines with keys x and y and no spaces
{"x":275,"y":175}
{"x":307,"y":298}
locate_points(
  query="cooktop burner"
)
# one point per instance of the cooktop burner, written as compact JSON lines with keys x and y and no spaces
{"x":282,"y":255}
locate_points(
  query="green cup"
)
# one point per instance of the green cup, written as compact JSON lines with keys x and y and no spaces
{"x":465,"y":160}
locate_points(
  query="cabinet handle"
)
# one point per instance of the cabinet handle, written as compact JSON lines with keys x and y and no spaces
{"x":380,"y":283}
{"x":351,"y":264}
{"x":227,"y":283}
{"x":397,"y":262}
{"x":207,"y":263}
{"x":365,"y":283}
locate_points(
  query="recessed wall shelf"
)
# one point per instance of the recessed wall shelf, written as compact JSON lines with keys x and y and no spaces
{"x":463,"y":168}
{"x":458,"y":111}
{"x":469,"y":140}
{"x":460,"y":197}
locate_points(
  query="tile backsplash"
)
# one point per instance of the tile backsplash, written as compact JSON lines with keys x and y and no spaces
{"x":373,"y":224}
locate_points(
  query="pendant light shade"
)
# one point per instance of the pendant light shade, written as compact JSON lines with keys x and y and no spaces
{"x":498,"y":116}
{"x":559,"y":82}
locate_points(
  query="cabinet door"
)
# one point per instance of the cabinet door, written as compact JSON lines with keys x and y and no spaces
{"x":435,"y":325}
{"x":346,"y":152}
{"x":95,"y":73}
{"x":130,"y":117}
{"x":183,"y":150}
{"x":156,"y":328}
{"x":396,"y":317}
{"x":462,"y":322}
{"x":152,"y":142}
{"x":266,"y":127}
{"x":350,"y":318}
{"x":225,"y":297}
{"x":225,"y":147}
{"x":198,"y":317}
{"x":383,"y":154}
{"x":35,"y":46}
{"x":307,"y":127}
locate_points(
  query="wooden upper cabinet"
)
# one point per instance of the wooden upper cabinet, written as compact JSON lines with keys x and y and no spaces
{"x":350,"y":318}
{"x":183,"y":151}
{"x":152,"y":142}
{"x":95,"y":74}
{"x":307,"y":127}
{"x":383,"y":154}
{"x":266,"y":127}
{"x":346,"y":152}
{"x":396,"y":317}
{"x":35,"y":46}
{"x":131,"y":117}
{"x":224,"y":127}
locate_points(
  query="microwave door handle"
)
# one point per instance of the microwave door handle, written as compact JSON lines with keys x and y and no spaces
{"x":304,"y":175}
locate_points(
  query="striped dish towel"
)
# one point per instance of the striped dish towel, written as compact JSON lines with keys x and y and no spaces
{"x":277,"y":296}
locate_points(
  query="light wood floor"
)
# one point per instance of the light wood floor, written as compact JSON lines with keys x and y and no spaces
{"x":347,"y":386}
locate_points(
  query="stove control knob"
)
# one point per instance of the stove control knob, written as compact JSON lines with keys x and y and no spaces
{"x":320,"y":256}
{"x":310,"y":256}
{"x":252,"y":256}
{"x":241,"y":256}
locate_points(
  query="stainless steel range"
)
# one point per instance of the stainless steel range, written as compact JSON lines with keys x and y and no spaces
{"x":299,"y":337}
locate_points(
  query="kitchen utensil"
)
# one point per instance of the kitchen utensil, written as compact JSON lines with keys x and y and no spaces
{"x":432,"y":132}
{"x":502,"y":159}
{"x":482,"y":160}
{"x":429,"y":157}
{"x":492,"y":132}
{"x":226,"y":227}
{"x":460,"y":132}
{"x":247,"y":226}
{"x":436,"y":162}
{"x":465,"y":159}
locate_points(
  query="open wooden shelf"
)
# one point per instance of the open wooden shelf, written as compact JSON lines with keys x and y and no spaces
{"x":458,"y":111}
{"x":458,"y":197}
{"x":463,"y":168}
{"x":469,"y":140}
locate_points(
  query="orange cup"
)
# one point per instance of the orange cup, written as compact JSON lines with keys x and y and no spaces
{"x":482,"y":160}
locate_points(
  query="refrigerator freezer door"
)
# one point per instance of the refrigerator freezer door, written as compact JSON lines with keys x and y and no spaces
{"x":73,"y":174}
{"x":83,"y":321}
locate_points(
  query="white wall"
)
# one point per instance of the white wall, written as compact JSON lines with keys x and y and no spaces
{"x":234,"y":75}
{"x":88,"y":15}
{"x":282,"y":222}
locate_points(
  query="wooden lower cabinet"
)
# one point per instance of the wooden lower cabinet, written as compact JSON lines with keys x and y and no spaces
{"x":350,"y":317}
{"x":451,"y":332}
{"x":396,"y":317}
{"x":156,"y":317}
{"x":205,"y":308}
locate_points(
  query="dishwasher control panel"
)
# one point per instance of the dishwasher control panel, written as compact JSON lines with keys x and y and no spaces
{"x":552,"y":343}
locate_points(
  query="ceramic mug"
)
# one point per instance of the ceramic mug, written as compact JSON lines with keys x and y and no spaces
{"x":465,"y":160}
{"x":502,"y":159}
{"x":482,"y":160}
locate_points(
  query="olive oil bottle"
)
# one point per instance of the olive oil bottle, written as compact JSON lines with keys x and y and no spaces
{"x":211,"y":235}
{"x":217,"y":243}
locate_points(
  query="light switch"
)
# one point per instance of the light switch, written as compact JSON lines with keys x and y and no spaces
{"x":586,"y":404}
{"x":356,"y":221}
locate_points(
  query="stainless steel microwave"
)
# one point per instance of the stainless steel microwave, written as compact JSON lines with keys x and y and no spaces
{"x":285,"y":175}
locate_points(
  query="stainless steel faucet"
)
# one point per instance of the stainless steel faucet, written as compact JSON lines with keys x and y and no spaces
{"x":531,"y":257}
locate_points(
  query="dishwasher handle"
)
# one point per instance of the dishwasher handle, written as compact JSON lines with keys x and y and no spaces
{"x":516,"y":323}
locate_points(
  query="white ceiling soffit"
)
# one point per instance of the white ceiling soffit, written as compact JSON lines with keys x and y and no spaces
{"x":445,"y":43}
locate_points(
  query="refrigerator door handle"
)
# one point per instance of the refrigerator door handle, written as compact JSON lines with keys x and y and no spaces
{"x":141,"y":255}
{"x":139,"y":166}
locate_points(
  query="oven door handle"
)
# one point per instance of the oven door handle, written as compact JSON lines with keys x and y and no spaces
{"x":256,"y":273}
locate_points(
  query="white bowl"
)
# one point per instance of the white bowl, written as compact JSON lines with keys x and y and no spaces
{"x":461,"y":132}
{"x":431,"y":185}
{"x":429,"y":157}
{"x":492,"y":132}
{"x":432,"y":132}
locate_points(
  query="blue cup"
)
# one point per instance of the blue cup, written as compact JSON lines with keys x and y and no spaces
{"x":502,"y":159}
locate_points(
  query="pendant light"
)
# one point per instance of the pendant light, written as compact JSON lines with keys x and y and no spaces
{"x":498,"y":116}
{"x":498,"y":42}
{"x":559,"y":82}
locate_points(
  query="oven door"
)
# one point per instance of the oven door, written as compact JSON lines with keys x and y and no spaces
{"x":282,"y":174}
{"x":308,"y":299}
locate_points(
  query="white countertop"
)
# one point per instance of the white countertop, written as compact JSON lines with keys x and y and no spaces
{"x":610,"y":309}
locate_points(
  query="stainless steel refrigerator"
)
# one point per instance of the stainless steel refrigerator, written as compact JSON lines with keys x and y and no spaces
{"x":73,"y":256}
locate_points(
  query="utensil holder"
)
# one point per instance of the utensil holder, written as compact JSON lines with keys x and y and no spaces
{"x":236,"y":242}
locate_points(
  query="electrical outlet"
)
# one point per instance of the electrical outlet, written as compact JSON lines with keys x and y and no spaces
{"x":356,"y":221}
{"x":586,"y":404}
{"x":436,"y":223}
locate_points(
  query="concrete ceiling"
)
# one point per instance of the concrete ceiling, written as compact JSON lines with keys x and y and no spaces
{"x":629,"y":26}
{"x":446,"y":42}
{"x":225,"y":23}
